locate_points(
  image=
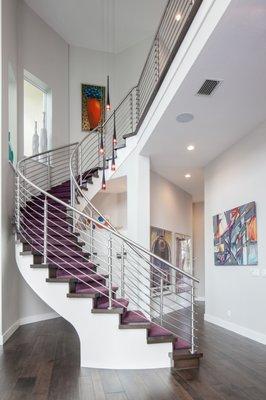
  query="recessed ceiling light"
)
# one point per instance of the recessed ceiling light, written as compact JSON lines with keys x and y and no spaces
{"x":185,"y":117}
{"x":187,"y":176}
{"x":190,"y":147}
{"x":178,"y":17}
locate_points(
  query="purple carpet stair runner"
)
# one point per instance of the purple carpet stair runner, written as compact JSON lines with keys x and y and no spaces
{"x":68,"y":262}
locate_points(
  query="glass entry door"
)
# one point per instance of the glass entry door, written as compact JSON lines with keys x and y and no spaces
{"x":183,"y":244}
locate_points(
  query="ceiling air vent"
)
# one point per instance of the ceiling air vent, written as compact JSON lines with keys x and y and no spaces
{"x":208,"y":87}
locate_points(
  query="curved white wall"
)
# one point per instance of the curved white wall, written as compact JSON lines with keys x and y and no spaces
{"x":102,"y":343}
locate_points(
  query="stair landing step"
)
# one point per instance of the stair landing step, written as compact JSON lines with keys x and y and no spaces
{"x":184,"y":360}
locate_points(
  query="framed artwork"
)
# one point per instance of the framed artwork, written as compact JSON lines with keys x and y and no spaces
{"x":93,"y":106}
{"x":235,"y":236}
{"x":161,"y":245}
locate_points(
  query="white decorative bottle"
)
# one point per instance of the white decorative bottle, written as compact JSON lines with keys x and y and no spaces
{"x":35,"y":140}
{"x":43,"y":135}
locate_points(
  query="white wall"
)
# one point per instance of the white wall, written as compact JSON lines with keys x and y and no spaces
{"x":171,"y":207}
{"x":128,"y":66}
{"x":136,"y":169}
{"x":44,"y":54}
{"x":9,"y":272}
{"x":113,"y":205}
{"x":233,"y":179}
{"x":27,"y":42}
{"x":86,"y":66}
{"x":198,"y":248}
{"x":90,"y":66}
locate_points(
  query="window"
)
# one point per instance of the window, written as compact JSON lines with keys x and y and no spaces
{"x":37,"y":119}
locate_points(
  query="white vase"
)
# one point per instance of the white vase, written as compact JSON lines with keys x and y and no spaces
{"x":35,"y":140}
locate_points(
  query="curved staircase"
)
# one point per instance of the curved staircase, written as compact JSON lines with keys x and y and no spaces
{"x":129,"y":307}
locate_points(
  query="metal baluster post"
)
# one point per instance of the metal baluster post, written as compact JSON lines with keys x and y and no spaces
{"x":192,"y":320}
{"x":18,"y":202}
{"x":80,"y":165}
{"x":161,"y":300}
{"x":76,"y":165}
{"x":72,"y":200}
{"x":23,"y":194}
{"x":122,"y":270}
{"x":137,"y":105}
{"x":48,"y":172}
{"x":45,"y":224}
{"x":110,"y":269}
{"x":157,"y":59}
{"x":131,"y":112}
{"x":91,"y":236}
{"x":99,"y":144}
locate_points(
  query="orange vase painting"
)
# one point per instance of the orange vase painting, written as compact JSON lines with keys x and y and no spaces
{"x":93,"y":106}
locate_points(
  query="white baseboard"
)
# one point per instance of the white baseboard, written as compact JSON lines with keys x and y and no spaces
{"x":24,"y":321}
{"x":241,"y":330}
{"x":38,"y":318}
{"x":200,"y":298}
{"x":9,"y":332}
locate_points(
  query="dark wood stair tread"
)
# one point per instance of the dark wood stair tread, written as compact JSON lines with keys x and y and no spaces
{"x":128,"y":135}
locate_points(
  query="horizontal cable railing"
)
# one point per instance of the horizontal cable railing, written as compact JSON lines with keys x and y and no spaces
{"x":95,"y":256}
{"x":164,"y":288}
{"x":98,"y":258}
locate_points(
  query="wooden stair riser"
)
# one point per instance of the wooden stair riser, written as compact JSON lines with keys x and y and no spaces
{"x":183,"y":360}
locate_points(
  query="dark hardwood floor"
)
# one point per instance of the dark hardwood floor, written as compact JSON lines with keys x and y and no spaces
{"x":41,"y":361}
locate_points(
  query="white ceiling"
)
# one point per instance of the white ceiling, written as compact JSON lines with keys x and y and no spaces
{"x":105,"y":25}
{"x":235,"y":54}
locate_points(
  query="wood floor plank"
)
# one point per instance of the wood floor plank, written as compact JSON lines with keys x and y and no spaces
{"x":97,"y":385}
{"x":176,"y":388}
{"x":110,"y":381}
{"x":133,"y":386}
{"x":41,"y":361}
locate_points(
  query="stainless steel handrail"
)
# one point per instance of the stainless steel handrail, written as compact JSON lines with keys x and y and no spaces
{"x":33,"y":189}
{"x":104,"y":227}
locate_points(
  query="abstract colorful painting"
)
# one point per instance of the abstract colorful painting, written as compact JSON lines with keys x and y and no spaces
{"x":161,"y":245}
{"x":93,"y":106}
{"x":235,"y":236}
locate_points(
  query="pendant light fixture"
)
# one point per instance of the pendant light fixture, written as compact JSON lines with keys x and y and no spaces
{"x":108,"y":104}
{"x":113,"y":167}
{"x":103,"y":177}
{"x":114,"y":132}
{"x":101,"y":149}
